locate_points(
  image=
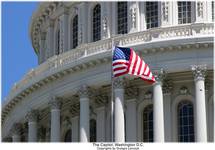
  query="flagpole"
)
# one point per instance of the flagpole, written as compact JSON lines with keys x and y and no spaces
{"x":112,"y":99}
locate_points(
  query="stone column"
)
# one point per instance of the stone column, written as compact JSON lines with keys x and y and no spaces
{"x":208,"y":11}
{"x":42,"y":48}
{"x":84,"y":113}
{"x":55,"y":104}
{"x":32,"y":117}
{"x":82,"y":23}
{"x":133,"y":17}
{"x":119,"y":123}
{"x":158,"y":114}
{"x":49,"y":48}
{"x":16,"y":132}
{"x":142,"y":16}
{"x":173,"y":16}
{"x":131,"y":121}
{"x":105,"y":19}
{"x":167,"y":88}
{"x":200,"y":111}
{"x":100,"y":124}
{"x":64,"y":35}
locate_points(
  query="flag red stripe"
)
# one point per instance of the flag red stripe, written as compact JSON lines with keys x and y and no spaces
{"x":119,"y":68}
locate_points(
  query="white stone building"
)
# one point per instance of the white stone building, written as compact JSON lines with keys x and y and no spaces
{"x":68,"y":96}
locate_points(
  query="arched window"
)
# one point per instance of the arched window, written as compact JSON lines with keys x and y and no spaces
{"x":184,"y":12}
{"x":148,"y":124}
{"x":68,"y":137}
{"x":97,"y":23}
{"x":151,"y":14}
{"x":75,"y":32}
{"x":58,"y":42}
{"x":92,"y":130}
{"x":122,"y":18}
{"x":185,"y":122}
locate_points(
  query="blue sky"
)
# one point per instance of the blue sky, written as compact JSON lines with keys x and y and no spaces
{"x":18,"y":56}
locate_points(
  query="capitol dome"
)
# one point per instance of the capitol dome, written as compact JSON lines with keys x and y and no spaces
{"x":67,"y":97}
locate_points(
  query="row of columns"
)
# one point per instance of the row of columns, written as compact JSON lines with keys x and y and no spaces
{"x":119,"y":121}
{"x":158,"y":114}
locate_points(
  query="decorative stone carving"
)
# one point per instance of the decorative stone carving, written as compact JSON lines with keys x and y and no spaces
{"x":118,"y":83}
{"x":101,"y":100}
{"x":148,"y":95}
{"x":55,"y":102}
{"x":133,"y":14}
{"x":84,"y":91}
{"x":75,"y":108}
{"x":32,"y":115}
{"x":16,"y":129}
{"x":66,"y":122}
{"x":104,"y":26}
{"x":167,"y":86}
{"x":131,"y":92}
{"x":200,"y":9}
{"x":80,"y":37}
{"x":199,"y":72}
{"x":165,"y":10}
{"x":61,"y":33}
{"x":184,"y":90}
{"x":159,"y":75}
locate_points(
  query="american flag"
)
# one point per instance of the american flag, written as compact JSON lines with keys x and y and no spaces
{"x":126,"y":61}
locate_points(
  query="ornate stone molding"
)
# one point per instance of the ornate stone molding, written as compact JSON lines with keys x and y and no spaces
{"x":133,"y":14}
{"x":80,"y":36}
{"x":75,"y":109}
{"x":184,"y":91}
{"x":104,"y":26}
{"x":165,"y":10}
{"x":55,"y":102}
{"x":118,"y":83}
{"x":131,"y":92}
{"x":84,"y":91}
{"x":101,"y":100}
{"x":167,"y":86}
{"x":159,"y":75}
{"x":148,"y":95}
{"x":16,"y":129}
{"x":200,"y":9}
{"x":199,"y":72}
{"x":32,"y":115}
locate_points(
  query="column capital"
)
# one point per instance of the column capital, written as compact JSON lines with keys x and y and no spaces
{"x":159,"y":76}
{"x":199,"y":72}
{"x":118,"y":83}
{"x":55,"y":102}
{"x":84,"y":91}
{"x":32,"y":115}
{"x":16,"y":129}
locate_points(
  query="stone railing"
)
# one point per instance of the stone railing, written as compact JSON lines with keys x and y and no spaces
{"x":101,"y":46}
